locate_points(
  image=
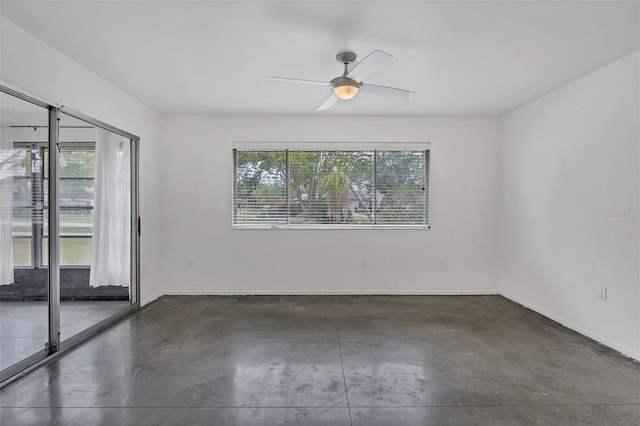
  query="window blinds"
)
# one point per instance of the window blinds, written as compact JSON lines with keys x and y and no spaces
{"x":330,"y":188}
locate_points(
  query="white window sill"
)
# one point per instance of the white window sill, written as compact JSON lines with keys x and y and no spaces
{"x":331,"y":227}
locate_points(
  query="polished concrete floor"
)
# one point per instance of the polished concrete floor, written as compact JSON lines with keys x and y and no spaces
{"x":433,"y":360}
{"x":24,"y":325}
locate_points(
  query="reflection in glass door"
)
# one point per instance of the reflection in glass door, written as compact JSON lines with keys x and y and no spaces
{"x":94,"y":197}
{"x":24,"y":277}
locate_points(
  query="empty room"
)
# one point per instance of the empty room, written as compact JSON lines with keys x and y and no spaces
{"x":319,"y":212}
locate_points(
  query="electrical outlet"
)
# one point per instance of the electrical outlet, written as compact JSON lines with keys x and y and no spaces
{"x":603,"y":294}
{"x":443,"y":263}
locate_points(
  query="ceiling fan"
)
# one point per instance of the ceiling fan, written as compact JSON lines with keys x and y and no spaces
{"x":350,"y":83}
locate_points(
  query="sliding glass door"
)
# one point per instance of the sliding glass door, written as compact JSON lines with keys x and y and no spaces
{"x":24,"y":277}
{"x":68,"y":240}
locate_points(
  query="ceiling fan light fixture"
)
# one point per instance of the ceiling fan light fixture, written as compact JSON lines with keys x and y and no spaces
{"x":346,"y":92}
{"x":345,"y":88}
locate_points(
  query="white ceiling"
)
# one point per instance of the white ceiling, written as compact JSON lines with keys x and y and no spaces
{"x":212,"y":56}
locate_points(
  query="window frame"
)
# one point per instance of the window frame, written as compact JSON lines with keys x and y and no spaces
{"x":373,"y":147}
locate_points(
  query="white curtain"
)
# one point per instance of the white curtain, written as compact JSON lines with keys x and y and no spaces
{"x":111,"y":242}
{"x":6,"y":205}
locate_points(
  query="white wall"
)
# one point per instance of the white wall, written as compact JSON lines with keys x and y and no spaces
{"x":569,"y":205}
{"x":205,"y":255}
{"x":32,"y":65}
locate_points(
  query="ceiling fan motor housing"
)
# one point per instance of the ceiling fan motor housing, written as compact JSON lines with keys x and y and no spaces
{"x":344,"y":81}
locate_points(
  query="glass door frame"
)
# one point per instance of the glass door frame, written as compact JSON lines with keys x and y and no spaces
{"x":53,"y":345}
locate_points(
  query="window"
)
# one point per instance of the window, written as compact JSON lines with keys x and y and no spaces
{"x":22,"y":206}
{"x":31,"y":211}
{"x":329,"y":188}
{"x":76,"y":197}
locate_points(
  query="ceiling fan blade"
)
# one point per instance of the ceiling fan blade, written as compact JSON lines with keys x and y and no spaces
{"x":368,"y":65}
{"x":390,"y":92}
{"x":328,"y":103}
{"x":297,"y":80}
